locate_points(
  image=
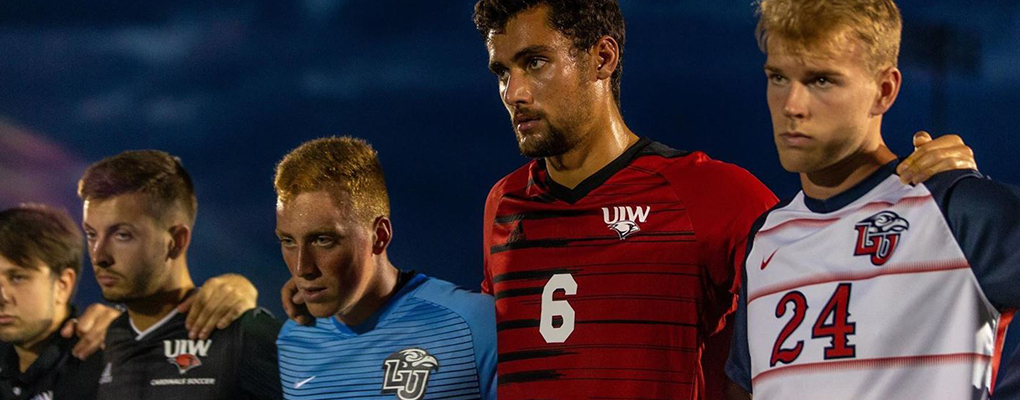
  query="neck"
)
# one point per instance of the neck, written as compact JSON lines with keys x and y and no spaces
{"x":378,"y":292}
{"x":145,"y":312}
{"x":844,"y":174}
{"x":605,"y":140}
{"x":29,"y":352}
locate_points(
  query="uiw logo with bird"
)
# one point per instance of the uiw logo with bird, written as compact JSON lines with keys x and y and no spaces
{"x":625,"y":219}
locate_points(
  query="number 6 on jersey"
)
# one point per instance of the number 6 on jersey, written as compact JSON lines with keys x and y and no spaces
{"x":557,"y":308}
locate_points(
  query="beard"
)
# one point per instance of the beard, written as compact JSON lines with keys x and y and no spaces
{"x":551,"y":143}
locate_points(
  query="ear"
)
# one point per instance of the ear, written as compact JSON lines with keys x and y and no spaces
{"x":605,"y":57}
{"x":889,"y":82}
{"x":180,"y":238}
{"x":383,"y":234}
{"x":64,"y":286}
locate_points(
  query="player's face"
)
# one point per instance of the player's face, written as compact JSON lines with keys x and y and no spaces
{"x":821,"y":101}
{"x":328,"y":251}
{"x":28,"y":303}
{"x":542,"y":84}
{"x":129,"y":248}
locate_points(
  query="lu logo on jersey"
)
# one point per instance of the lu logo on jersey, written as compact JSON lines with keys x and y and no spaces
{"x":878,"y":236}
{"x":625,"y":219}
{"x":407,"y":373}
{"x":184,"y":354}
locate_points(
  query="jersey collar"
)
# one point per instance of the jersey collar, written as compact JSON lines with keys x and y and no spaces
{"x":850,"y":195}
{"x":541,"y":175}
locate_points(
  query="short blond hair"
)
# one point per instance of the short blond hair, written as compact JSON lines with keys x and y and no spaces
{"x":336,"y":165}
{"x":809,"y":24}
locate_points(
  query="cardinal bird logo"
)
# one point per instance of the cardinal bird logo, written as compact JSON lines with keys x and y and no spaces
{"x":625,"y":219}
{"x":878,"y":236}
{"x":185,"y":362}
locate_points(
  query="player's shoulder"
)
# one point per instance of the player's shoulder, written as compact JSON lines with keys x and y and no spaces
{"x":514,"y":181}
{"x":969,"y":192}
{"x":257,"y":322}
{"x":694,"y":173}
{"x":474,"y":308}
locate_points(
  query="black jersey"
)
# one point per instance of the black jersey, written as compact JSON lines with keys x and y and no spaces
{"x":56,"y":374}
{"x":236,"y":363}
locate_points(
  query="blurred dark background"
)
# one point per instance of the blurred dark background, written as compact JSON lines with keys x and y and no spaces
{"x":231,"y":86}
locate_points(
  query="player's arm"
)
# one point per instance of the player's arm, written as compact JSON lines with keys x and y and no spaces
{"x":930,"y":157}
{"x":219,"y":302}
{"x":984,"y":216}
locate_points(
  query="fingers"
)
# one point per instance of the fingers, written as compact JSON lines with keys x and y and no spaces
{"x":945,"y":153}
{"x":921,"y":138}
{"x":185,"y":306}
{"x":220,"y":317}
{"x":91,"y":329}
{"x":293,"y":304}
{"x":68,"y":329}
{"x":197,"y":302}
{"x":210,"y":306}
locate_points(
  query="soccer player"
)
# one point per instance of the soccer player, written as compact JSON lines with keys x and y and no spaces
{"x":612,"y":257}
{"x":860,"y":286}
{"x":381,"y":333}
{"x":139,"y":210}
{"x":40,"y":261}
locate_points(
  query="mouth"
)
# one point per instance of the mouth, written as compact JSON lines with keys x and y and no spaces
{"x":795,"y":139}
{"x":313,"y":294}
{"x":6,"y":319}
{"x":106,"y":280}
{"x":526,"y":122}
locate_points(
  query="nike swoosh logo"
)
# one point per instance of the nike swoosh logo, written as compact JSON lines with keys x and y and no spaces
{"x":302,"y":383}
{"x":765,"y":262}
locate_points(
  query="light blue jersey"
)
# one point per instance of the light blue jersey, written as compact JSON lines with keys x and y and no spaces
{"x":432,"y":340}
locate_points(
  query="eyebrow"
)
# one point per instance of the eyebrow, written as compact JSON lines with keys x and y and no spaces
{"x":810,"y":72}
{"x":523,"y":53}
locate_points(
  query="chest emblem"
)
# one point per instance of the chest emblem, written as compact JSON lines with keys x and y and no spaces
{"x":407,"y":373}
{"x":625,"y":219}
{"x":185,"y":354}
{"x":878,"y":235}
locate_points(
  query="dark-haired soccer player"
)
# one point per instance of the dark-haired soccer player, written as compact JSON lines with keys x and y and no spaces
{"x":139,"y":210}
{"x":40,"y":261}
{"x":612,"y":257}
{"x":381,"y":333}
{"x":862,"y":287}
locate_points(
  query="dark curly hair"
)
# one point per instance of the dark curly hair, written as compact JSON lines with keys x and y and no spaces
{"x":583,"y":21}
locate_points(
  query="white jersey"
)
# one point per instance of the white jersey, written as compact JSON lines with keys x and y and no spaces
{"x":874,"y":295}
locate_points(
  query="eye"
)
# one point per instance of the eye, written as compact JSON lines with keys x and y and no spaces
{"x":822,"y":82}
{"x":323,"y":241}
{"x":90,"y":236}
{"x":777,"y":79}
{"x":536,"y":63}
{"x":287,"y":242}
{"x":18,"y":278}
{"x":123,"y":236}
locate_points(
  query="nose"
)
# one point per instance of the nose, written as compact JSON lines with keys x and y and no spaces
{"x":99,"y":253}
{"x":4,"y":298}
{"x":306,"y":267}
{"x":796,"y":104}
{"x":517,"y":90}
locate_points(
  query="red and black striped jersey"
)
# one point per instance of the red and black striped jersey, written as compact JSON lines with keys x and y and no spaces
{"x":610,"y":289}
